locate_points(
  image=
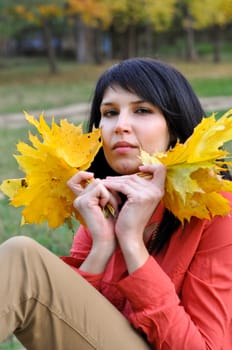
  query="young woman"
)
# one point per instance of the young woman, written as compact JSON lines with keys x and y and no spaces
{"x":138,"y":280}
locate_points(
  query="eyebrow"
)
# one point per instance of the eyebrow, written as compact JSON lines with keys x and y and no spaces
{"x":133,"y":103}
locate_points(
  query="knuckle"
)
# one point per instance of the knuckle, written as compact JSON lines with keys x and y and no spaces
{"x":79,"y":203}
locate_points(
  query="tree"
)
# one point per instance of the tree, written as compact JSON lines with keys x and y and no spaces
{"x":148,"y":15}
{"x":89,"y":18}
{"x":42,"y":14}
{"x":184,"y":17}
{"x":125,"y":18}
{"x":213,"y":14}
{"x":8,"y":27}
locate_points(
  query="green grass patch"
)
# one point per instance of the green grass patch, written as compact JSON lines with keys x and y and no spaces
{"x":58,"y":241}
{"x":8,"y":140}
{"x":11,"y":344}
{"x":42,"y":96}
{"x":213,"y":87}
{"x":26,"y":84}
{"x":208,"y":79}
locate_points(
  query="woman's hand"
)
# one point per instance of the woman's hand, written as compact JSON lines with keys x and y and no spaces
{"x":143,"y":196}
{"x":92,"y":197}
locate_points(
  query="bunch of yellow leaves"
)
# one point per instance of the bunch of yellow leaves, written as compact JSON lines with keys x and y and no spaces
{"x":193,"y":183}
{"x":60,"y":152}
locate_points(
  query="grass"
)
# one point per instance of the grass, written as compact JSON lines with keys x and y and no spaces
{"x":27,"y":83}
{"x":41,"y":96}
{"x":58,"y":241}
{"x":208,"y":79}
{"x":11,"y":344}
{"x":211,"y":87}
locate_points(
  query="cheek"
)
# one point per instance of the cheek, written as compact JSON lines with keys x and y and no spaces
{"x":156,"y":139}
{"x":105,"y":135}
{"x":105,"y":127}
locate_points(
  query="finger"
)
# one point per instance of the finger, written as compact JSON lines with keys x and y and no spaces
{"x":128,"y":183}
{"x":113,"y":200}
{"x":158,"y":172}
{"x":77,"y":182}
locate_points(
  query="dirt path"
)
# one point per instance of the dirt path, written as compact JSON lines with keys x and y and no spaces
{"x":73,"y":113}
{"x":80,"y":111}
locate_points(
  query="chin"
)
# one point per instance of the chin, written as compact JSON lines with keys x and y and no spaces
{"x":126,"y":170}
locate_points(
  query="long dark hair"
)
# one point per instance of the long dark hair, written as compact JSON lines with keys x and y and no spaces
{"x":166,"y":88}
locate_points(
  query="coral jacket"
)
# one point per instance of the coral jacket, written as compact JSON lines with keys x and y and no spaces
{"x":180,"y":298}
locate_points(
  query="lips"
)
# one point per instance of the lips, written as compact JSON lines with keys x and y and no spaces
{"x":123,"y":144}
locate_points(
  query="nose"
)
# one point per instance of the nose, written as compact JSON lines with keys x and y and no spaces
{"x":123,"y":123}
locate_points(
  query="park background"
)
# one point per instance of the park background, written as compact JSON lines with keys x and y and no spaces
{"x":51,"y":53}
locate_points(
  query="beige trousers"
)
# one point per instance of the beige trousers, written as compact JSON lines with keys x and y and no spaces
{"x":49,"y":306}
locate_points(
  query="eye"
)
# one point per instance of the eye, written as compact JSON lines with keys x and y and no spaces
{"x":109,"y":113}
{"x":143,"y":110}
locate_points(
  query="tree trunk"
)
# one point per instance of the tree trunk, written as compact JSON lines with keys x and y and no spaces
{"x":49,"y":46}
{"x":217,"y":42}
{"x":97,"y":45}
{"x":148,"y":40}
{"x":117,"y":43}
{"x":191,"y":54}
{"x":130,"y":42}
{"x":80,"y":33}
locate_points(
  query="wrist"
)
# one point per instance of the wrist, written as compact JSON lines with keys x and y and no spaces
{"x":135,"y":254}
{"x":104,"y":249}
{"x":97,"y":259}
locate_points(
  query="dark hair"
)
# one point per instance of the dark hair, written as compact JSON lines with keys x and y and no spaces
{"x":166,"y":88}
{"x":155,"y":82}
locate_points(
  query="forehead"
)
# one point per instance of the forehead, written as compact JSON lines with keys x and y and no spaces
{"x":117,"y":92}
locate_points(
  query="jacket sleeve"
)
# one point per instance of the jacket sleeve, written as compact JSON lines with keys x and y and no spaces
{"x":199,"y":317}
{"x":80,"y":249}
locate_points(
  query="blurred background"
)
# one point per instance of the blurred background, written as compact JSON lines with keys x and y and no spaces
{"x":52,"y":52}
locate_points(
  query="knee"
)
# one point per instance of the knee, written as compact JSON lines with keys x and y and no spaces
{"x":20,"y":244}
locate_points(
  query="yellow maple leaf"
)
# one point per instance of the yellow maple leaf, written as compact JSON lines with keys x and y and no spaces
{"x":51,"y":159}
{"x":193,"y":183}
{"x":11,"y":186}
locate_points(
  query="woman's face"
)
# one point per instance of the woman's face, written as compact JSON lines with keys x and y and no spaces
{"x":130,"y":124}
